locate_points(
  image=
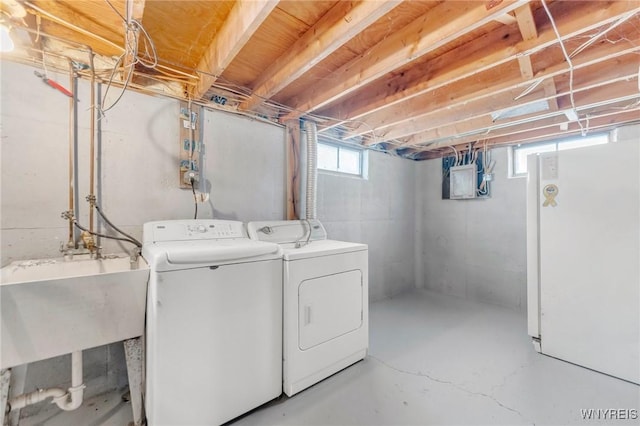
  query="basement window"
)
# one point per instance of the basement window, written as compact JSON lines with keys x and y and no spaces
{"x":342,"y":159}
{"x":518,"y":154}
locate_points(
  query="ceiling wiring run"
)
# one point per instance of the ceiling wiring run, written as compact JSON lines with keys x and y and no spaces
{"x":363,"y":84}
{"x":568,"y":59}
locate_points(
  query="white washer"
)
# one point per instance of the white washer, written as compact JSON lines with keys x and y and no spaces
{"x":326,"y":314}
{"x":214,"y":322}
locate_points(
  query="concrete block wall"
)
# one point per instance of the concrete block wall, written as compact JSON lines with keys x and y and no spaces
{"x":472,"y":248}
{"x":378,"y":211}
{"x":138,"y":182}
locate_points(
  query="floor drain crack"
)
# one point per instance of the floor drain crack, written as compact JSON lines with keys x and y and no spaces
{"x":455,"y":385}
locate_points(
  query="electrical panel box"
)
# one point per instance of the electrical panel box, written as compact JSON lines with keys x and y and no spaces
{"x":457,"y":171}
{"x":462,"y":181}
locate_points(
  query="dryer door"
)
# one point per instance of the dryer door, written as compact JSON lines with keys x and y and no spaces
{"x":329,"y":307}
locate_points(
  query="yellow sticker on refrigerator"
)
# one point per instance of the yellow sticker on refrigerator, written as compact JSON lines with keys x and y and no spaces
{"x":550,"y":192}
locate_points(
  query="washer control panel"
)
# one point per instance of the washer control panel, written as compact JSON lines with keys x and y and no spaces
{"x":181,"y":230}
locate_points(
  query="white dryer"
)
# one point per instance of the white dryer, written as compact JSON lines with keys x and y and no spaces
{"x":214,"y":322}
{"x":326,"y":309}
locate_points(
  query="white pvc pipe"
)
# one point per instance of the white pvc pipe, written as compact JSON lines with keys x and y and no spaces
{"x":65,"y":400}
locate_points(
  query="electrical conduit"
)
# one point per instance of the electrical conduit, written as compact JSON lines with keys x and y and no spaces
{"x":66,"y":400}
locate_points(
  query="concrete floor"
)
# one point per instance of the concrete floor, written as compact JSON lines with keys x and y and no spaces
{"x":434,"y":359}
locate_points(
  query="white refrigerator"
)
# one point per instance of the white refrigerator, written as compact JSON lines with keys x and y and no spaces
{"x":583,"y":257}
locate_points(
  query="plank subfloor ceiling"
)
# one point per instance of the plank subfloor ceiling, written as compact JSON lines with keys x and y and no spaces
{"x":412,"y":78}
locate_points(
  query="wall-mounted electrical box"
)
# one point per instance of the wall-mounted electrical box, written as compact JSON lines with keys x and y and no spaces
{"x":462,"y":182}
{"x":191,"y":148}
{"x":467,"y":176}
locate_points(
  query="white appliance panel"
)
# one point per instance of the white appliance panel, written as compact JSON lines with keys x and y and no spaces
{"x":231,"y":362}
{"x":329,"y":307}
{"x":589,"y":259}
{"x":303,"y":368}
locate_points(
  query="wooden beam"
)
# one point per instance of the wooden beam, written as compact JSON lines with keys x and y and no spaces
{"x":242,"y":22}
{"x":595,"y":124}
{"x":106,"y":38}
{"x":550,"y":92}
{"x":527,"y":27}
{"x":483,"y":124}
{"x":549,"y":131}
{"x":436,"y":124}
{"x":526,"y":67}
{"x":506,"y":19}
{"x":293,"y":168}
{"x":526,"y":23}
{"x":462,"y":63}
{"x":345,"y":20}
{"x":417,"y":113}
{"x":594,"y":99}
{"x":441,"y":25}
{"x":136,"y":8}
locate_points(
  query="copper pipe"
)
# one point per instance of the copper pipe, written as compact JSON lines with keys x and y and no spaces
{"x":71,"y":243}
{"x":92,"y":146}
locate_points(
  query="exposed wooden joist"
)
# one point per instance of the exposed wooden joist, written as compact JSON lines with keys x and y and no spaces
{"x":526,"y":67}
{"x":343,"y":21}
{"x":463,"y":63}
{"x":441,"y":25}
{"x":60,"y":14}
{"x":506,"y":19}
{"x":553,"y":129}
{"x":601,"y":73}
{"x":136,"y":9}
{"x":440,"y":107}
{"x":550,"y":91}
{"x":242,"y":22}
{"x":526,"y":23}
{"x":483,"y":124}
{"x":597,"y":98}
{"x":596,"y":123}
{"x":527,"y":26}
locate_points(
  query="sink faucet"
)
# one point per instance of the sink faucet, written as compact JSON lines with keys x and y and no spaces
{"x":90,"y":244}
{"x":133,"y":257}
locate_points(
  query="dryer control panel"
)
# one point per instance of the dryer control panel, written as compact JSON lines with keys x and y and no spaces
{"x":186,"y":230}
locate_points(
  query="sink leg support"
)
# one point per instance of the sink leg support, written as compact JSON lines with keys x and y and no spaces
{"x":5,"y":378}
{"x":12,"y":381}
{"x":134,"y":355}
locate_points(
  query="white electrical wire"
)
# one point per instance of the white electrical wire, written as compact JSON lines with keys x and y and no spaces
{"x":594,"y":38}
{"x":568,"y":59}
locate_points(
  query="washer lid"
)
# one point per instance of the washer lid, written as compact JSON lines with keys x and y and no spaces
{"x":166,"y":256}
{"x":320,"y":248}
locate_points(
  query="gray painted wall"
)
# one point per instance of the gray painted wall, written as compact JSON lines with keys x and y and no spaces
{"x":378,"y":211}
{"x":472,"y":248}
{"x":476,"y":248}
{"x":245,"y":162}
{"x":245,"y":165}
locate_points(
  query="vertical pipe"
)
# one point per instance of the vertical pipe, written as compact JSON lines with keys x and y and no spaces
{"x":71,"y":241}
{"x":76,"y":186}
{"x":92,"y":148}
{"x":312,"y":168}
{"x":99,"y":160}
{"x":76,"y":369}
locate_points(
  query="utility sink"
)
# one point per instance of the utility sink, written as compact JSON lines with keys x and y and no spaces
{"x":51,"y":307}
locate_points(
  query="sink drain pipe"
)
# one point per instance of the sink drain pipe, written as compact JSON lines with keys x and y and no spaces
{"x":66,"y":400}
